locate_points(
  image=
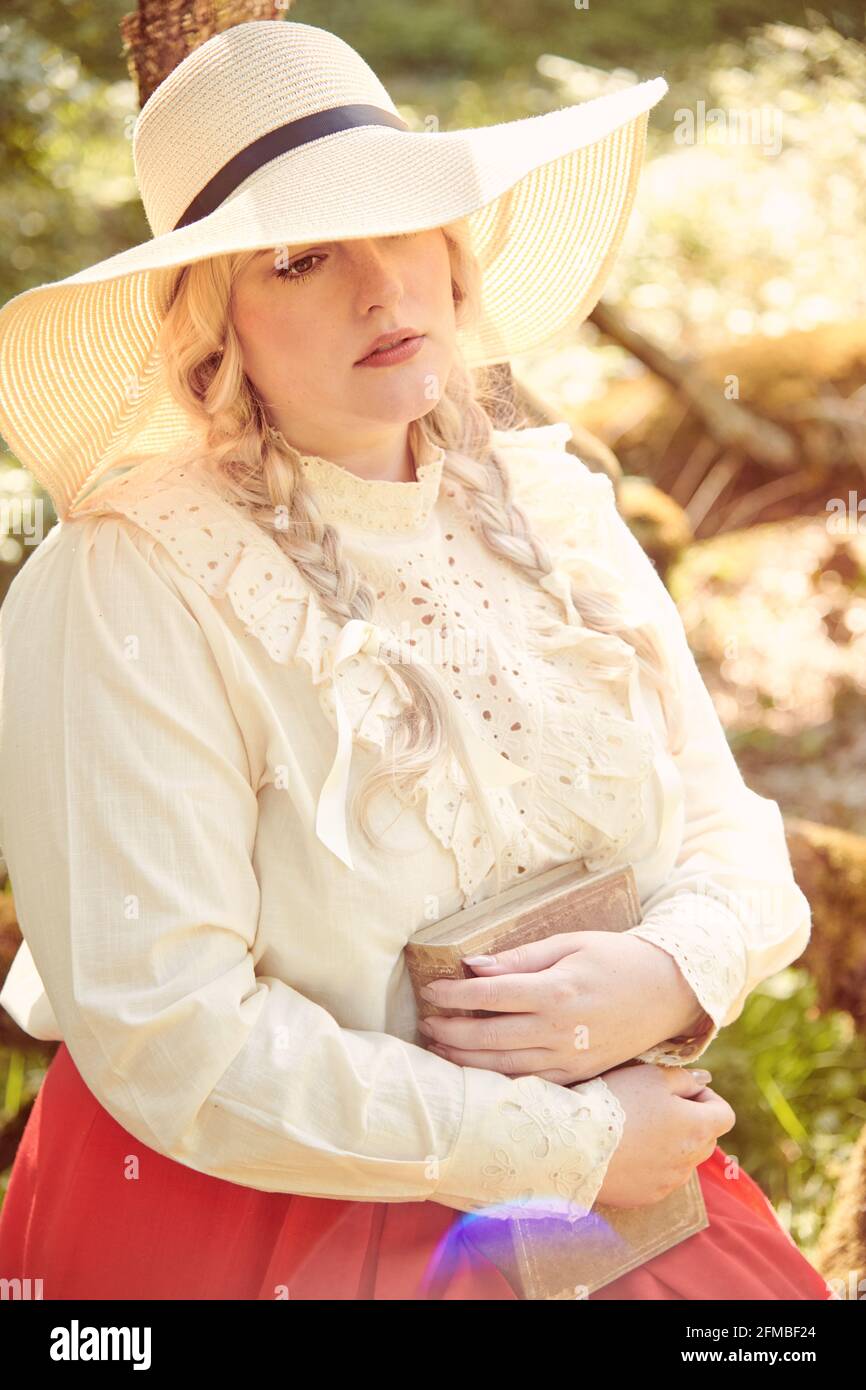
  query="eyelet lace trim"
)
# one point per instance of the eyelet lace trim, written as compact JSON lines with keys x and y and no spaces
{"x":591,"y":785}
{"x":598,"y":755}
{"x":377,"y":504}
{"x":705,"y":938}
{"x":453,"y":815}
{"x":568,"y":1147}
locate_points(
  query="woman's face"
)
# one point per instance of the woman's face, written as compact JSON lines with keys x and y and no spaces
{"x":306,"y":314}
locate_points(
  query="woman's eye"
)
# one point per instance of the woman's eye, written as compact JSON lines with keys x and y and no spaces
{"x":291,"y":272}
{"x":286,"y":272}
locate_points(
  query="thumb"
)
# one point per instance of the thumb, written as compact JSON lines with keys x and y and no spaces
{"x":524,"y":959}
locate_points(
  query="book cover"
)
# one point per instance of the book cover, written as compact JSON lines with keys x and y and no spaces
{"x":551,"y":1258}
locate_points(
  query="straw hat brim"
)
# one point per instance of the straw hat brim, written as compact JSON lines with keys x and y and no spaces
{"x":547,"y":199}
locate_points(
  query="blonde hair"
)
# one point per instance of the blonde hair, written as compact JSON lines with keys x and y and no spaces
{"x":258,"y":471}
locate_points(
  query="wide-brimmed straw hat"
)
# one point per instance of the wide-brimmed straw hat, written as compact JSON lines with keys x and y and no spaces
{"x":276,"y":133}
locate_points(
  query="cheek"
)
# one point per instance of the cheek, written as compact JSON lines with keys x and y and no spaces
{"x":267,"y":325}
{"x":250,"y":318}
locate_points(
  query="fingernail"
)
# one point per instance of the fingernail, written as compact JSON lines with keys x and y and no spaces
{"x":701,"y":1075}
{"x":480,"y":960}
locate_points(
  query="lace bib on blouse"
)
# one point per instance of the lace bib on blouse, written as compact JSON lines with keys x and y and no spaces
{"x":554,"y":717}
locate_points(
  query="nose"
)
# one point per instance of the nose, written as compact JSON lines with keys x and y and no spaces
{"x":377,"y":274}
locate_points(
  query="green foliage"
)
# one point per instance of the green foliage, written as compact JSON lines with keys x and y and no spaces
{"x":66,"y":163}
{"x":796,"y":1079}
{"x":478,"y":38}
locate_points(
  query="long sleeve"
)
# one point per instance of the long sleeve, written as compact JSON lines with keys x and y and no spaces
{"x":128,"y":822}
{"x":731,"y":913}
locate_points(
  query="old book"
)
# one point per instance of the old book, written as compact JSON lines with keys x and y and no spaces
{"x":551,"y":1258}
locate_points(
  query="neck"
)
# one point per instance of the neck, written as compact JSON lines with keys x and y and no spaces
{"x":383,"y":461}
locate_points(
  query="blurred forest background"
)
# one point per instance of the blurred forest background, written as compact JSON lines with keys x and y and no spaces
{"x":721,"y":383}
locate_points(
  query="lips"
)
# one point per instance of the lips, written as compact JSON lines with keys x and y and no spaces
{"x":389,"y":339}
{"x":402,"y":351}
{"x":383,"y":347}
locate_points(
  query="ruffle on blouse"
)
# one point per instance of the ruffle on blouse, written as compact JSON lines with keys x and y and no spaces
{"x":359,"y":692}
{"x":453,"y":815}
{"x":598,"y":750}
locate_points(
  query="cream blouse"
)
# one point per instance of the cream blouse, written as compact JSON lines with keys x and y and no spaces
{"x":221,"y":951}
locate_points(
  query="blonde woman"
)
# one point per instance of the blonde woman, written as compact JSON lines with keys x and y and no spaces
{"x":316,"y":656}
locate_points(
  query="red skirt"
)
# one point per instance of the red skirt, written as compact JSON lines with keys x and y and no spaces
{"x":91,"y":1213}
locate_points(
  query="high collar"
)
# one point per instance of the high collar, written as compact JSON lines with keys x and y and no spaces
{"x":375,"y":504}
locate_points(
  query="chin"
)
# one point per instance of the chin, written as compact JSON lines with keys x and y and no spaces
{"x":400,"y":400}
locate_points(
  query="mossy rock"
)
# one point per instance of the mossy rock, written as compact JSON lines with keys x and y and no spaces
{"x":840,"y":1254}
{"x":830,"y":867}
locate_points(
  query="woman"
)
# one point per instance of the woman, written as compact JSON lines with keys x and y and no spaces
{"x":283,"y":563}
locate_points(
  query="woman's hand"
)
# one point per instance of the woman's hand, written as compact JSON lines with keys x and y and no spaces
{"x":672,"y":1124}
{"x":572,"y":1006}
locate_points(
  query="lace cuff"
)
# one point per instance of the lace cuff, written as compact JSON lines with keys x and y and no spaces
{"x":706,"y":940}
{"x":531,"y":1148}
